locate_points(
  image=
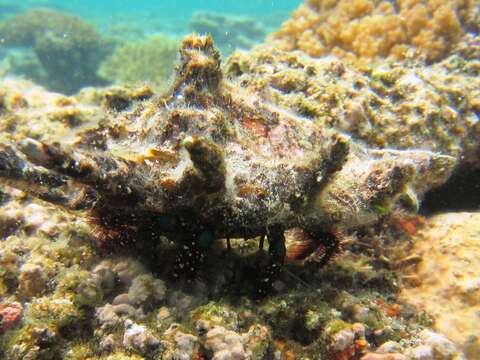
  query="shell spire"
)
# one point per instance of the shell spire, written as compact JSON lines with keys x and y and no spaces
{"x":199,"y":68}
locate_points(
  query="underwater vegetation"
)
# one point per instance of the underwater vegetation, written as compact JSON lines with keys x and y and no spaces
{"x":134,"y":222}
{"x":68,"y":48}
{"x":151,"y":60}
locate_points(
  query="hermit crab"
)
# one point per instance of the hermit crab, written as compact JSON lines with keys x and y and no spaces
{"x":209,"y":160}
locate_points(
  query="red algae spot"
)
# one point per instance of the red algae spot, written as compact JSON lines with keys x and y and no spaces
{"x":255,"y":127}
{"x":347,"y":354}
{"x":409,"y":225}
{"x":10,"y":315}
{"x":391,"y":310}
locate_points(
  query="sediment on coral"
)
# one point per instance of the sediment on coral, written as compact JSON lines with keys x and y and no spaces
{"x":378,"y":28}
{"x":145,"y":179}
{"x":69,"y":49}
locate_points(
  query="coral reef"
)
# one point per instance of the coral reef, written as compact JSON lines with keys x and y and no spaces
{"x":151,"y":60}
{"x":377,"y":28}
{"x":124,"y":257}
{"x":23,"y":64}
{"x":69,"y":49}
{"x":228,"y":31}
{"x":446,"y":283}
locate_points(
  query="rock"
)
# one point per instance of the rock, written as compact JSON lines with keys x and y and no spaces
{"x":127,"y":270}
{"x":447,"y":279}
{"x":388,"y":347}
{"x":226,"y":344}
{"x":422,"y":352}
{"x":443,"y":348}
{"x":376,"y":356}
{"x":359,"y":330}
{"x":179,"y":345}
{"x":146,"y":290}
{"x":109,"y":315}
{"x":163,"y":313}
{"x":106,"y":276}
{"x":107,"y":344}
{"x":122,"y":299}
{"x":32,"y":279}
{"x":138,"y":338}
{"x":342,"y":340}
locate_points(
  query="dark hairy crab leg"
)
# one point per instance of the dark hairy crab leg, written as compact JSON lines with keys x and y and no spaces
{"x":104,"y":174}
{"x":331,"y":246}
{"x":39,"y":182}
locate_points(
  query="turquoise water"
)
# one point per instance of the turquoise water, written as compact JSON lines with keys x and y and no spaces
{"x":48,"y":47}
{"x":105,"y":13}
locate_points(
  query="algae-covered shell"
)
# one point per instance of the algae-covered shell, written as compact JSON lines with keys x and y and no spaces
{"x":211,"y":159}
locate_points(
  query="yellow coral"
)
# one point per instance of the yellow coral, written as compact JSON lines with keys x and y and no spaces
{"x":376,"y":28}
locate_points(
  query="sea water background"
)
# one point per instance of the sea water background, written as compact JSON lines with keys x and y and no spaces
{"x":233,"y":24}
{"x":160,"y":15}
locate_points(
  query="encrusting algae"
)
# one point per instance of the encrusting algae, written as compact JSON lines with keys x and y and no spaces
{"x":127,"y":196}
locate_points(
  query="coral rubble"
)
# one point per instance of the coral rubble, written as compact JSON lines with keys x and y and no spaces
{"x":69,"y":49}
{"x":377,"y":28}
{"x":109,"y":306}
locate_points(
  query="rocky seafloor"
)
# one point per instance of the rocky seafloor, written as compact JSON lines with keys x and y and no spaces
{"x":405,"y":286}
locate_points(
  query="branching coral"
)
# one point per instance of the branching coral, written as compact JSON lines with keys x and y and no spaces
{"x":377,"y":28}
{"x":69,"y":49}
{"x":151,"y":60}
